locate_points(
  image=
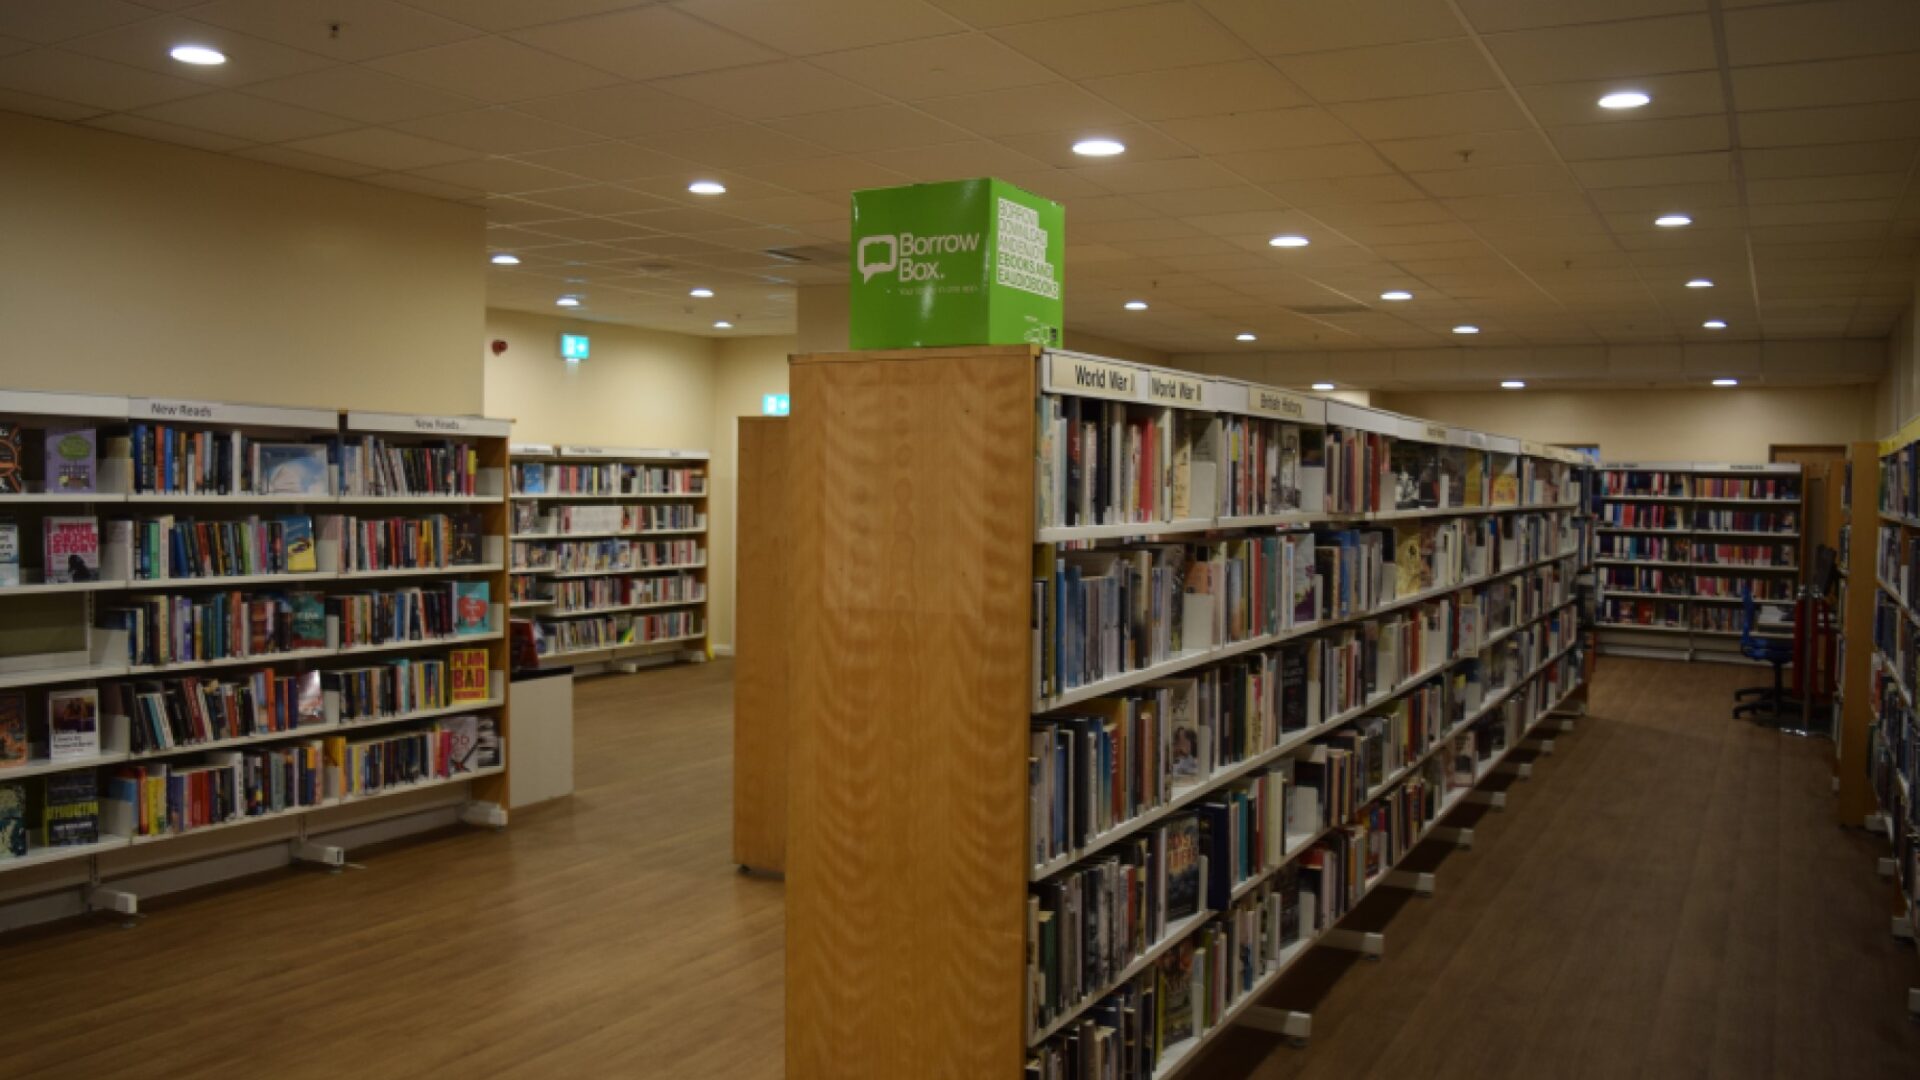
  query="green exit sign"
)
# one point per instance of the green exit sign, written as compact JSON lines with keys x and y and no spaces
{"x":573,"y":346}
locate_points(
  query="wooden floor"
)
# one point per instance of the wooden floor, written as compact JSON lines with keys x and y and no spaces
{"x":1667,"y":897}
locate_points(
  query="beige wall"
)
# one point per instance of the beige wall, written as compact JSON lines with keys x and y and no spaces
{"x":745,"y":368}
{"x":1899,"y":390}
{"x":137,"y":267}
{"x":1679,"y":425}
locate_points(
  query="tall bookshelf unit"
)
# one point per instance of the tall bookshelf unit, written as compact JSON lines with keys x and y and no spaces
{"x":270,"y":646}
{"x":943,"y":670}
{"x":1856,"y":603}
{"x":1893,"y":741}
{"x":1677,"y":543}
{"x":609,"y":553}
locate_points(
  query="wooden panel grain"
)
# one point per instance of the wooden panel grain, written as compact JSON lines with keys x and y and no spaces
{"x":912,"y":544}
{"x":760,"y":647}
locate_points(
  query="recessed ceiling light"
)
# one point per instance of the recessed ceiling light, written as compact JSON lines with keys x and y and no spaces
{"x":1289,"y":240}
{"x":707,"y":187}
{"x":1244,"y":337}
{"x":1672,"y":221}
{"x":1700,"y":283}
{"x":723,"y":325}
{"x":1135,"y":305}
{"x":1466,"y":328}
{"x":568,"y":301}
{"x":1396,"y":294}
{"x":1726,"y":382}
{"x":198,"y":55}
{"x":1323,"y":386}
{"x":1099,"y":147}
{"x":1512,"y":384}
{"x":1624,"y":99}
{"x":1715,"y":324}
{"x":504,"y":259}
{"x":701,"y":294}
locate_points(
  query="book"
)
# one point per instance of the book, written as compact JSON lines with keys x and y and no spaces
{"x":1176,"y":994}
{"x":465,"y":547}
{"x":308,"y":611}
{"x":73,"y":724}
{"x":73,"y":549}
{"x":296,"y":534}
{"x":13,"y":821}
{"x":312,"y":702}
{"x":471,"y":681}
{"x":470,"y":605}
{"x":486,"y":743}
{"x":291,"y":469}
{"x":1181,"y":838}
{"x":9,"y":552}
{"x":70,"y":460}
{"x":13,"y":730}
{"x":13,"y":477}
{"x":68,"y":814}
{"x":463,"y":743}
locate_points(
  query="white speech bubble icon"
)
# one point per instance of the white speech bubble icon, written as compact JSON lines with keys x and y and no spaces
{"x":869,"y":267}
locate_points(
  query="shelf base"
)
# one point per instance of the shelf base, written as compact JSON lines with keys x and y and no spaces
{"x":1368,"y":943}
{"x":1520,"y":770}
{"x":1417,"y":881}
{"x":1295,"y":1027}
{"x":1887,"y":868}
{"x":1458,"y":836}
{"x":114,"y":901}
{"x":1495,"y":799}
{"x":485,"y":814}
{"x":328,"y":855}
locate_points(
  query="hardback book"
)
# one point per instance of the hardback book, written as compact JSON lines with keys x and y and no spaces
{"x":73,"y":549}
{"x":13,"y":476}
{"x":487,"y":743}
{"x":13,"y":821}
{"x":297,"y":534}
{"x":9,"y":552}
{"x":73,"y":724}
{"x":466,"y":531}
{"x":312,"y":702}
{"x":463,"y":743}
{"x":69,"y":810}
{"x":470,"y":676}
{"x":470,"y":604}
{"x":1185,"y":761}
{"x":1181,"y":840}
{"x":308,"y":620}
{"x":1176,"y":994}
{"x":70,"y":460}
{"x":291,"y":469}
{"x":13,"y":730}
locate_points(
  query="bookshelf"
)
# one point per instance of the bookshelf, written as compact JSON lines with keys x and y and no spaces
{"x":1892,"y":750}
{"x":609,"y":553}
{"x":289,"y":626}
{"x":761,"y":647}
{"x":1856,"y":602}
{"x":943,"y":674}
{"x":1677,"y":542}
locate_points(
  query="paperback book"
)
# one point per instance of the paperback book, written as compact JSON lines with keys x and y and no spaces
{"x":297,"y":534}
{"x":73,"y":549}
{"x":13,"y":821}
{"x":470,"y":604}
{"x":9,"y":552}
{"x":291,"y":469}
{"x":1181,"y":842}
{"x":73,"y":724}
{"x":70,"y":460}
{"x":470,"y":676}
{"x":13,"y":730}
{"x":69,"y":811}
{"x":13,"y":477}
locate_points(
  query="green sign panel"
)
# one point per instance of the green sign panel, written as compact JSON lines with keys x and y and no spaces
{"x":573,"y":346}
{"x":967,"y":262}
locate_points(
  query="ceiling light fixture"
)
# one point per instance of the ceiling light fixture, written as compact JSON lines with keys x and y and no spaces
{"x":707,"y":187}
{"x":1396,"y":294}
{"x":1289,"y":240}
{"x":198,"y":55}
{"x":1715,"y":324}
{"x":1726,"y":382}
{"x":1512,"y":384}
{"x":700,"y":294}
{"x":1624,"y":99}
{"x":723,"y":325}
{"x":504,"y":259}
{"x":568,"y":301}
{"x":1323,"y":386}
{"x":1135,"y":305}
{"x":1672,"y":221}
{"x":1466,"y":328}
{"x":1099,"y":147}
{"x":1700,"y":283}
{"x":1244,"y":337}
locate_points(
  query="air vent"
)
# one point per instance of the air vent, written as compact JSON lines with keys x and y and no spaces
{"x":1331,"y":309}
{"x":813,"y":254}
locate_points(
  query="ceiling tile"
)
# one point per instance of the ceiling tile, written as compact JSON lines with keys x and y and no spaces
{"x":1143,"y":143}
{"x":646,"y":43}
{"x":365,"y":28}
{"x":625,"y":112}
{"x":1605,"y":50}
{"x":247,"y":118}
{"x":736,"y":146}
{"x":493,"y":69}
{"x":1271,"y":129}
{"x":51,"y":109}
{"x":145,"y":45}
{"x":1811,"y":213}
{"x":1507,"y":180}
{"x":1199,"y":91}
{"x":497,"y":131}
{"x":986,"y":13}
{"x":46,"y":23}
{"x":1342,"y":189}
{"x":1492,"y":16}
{"x":420,"y":186}
{"x":298,"y":159}
{"x":834,"y":176}
{"x":360,"y":93}
{"x":1145,"y":177}
{"x":1433,"y":114}
{"x":85,"y":80}
{"x":1313,"y":163}
{"x":1483,"y":150}
{"x":1678,"y":135}
{"x":949,"y":160}
{"x":160,"y":131}
{"x":1279,"y":27}
{"x":1224,"y":200}
{"x":1659,"y":198}
{"x":498,"y":176}
{"x":1823,"y":31}
{"x":684,"y":219}
{"x":1692,"y":93}
{"x":1835,"y":124}
{"x":762,"y":91}
{"x":819,"y":26}
{"x":1391,"y":71}
{"x":382,"y":148}
{"x":1528,"y":206}
{"x":1814,"y":189}
{"x":878,"y":127}
{"x":1644,"y":172}
{"x":608,"y":161}
{"x":1892,"y":77}
{"x":502,"y":15}
{"x":1054,"y":106}
{"x":598,"y":199}
{"x":1843,"y":159}
{"x":936,"y":67}
{"x":1129,"y":40}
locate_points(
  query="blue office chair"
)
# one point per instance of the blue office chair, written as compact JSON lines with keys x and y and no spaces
{"x":1761,"y":702}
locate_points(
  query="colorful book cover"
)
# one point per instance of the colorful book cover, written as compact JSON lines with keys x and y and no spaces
{"x":70,"y":460}
{"x":13,"y":821}
{"x":309,"y":621}
{"x":291,"y":469}
{"x":470,"y":676}
{"x":13,"y":730}
{"x":467,"y":530}
{"x":73,"y":724}
{"x":1406,"y":559}
{"x":1182,"y":839}
{"x":13,"y":477}
{"x":73,"y":549}
{"x":1176,"y":994}
{"x":69,"y":812}
{"x":312,"y":700}
{"x":1506,"y":489}
{"x":1476,"y":480}
{"x":487,"y":744}
{"x":463,"y":743}
{"x":9,"y":552}
{"x":297,"y":533}
{"x":470,"y":604}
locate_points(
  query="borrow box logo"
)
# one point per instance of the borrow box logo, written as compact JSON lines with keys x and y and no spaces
{"x":913,"y":258}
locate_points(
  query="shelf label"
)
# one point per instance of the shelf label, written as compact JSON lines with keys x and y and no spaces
{"x":178,"y":410}
{"x":1086,"y":377}
{"x":428,"y":425}
{"x":1266,"y":401}
{"x":1437,"y":433}
{"x":1165,"y":388}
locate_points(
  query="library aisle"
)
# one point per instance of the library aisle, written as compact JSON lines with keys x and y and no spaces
{"x":1668,"y":897}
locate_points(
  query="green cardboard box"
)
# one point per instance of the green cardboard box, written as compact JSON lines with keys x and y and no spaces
{"x":966,"y":262}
